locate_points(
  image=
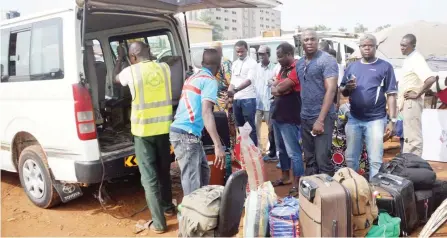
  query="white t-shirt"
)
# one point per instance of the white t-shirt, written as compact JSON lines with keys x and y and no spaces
{"x":126,"y":79}
{"x":242,"y":70}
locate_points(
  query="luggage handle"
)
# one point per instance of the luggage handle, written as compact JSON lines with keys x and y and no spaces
{"x":388,"y":178}
{"x":307,"y":189}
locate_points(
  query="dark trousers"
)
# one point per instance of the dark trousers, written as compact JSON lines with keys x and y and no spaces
{"x":245,"y":111}
{"x":154,"y":163}
{"x":272,"y":148}
{"x":317,"y":149}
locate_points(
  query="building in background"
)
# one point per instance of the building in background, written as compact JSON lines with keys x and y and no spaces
{"x":199,"y":32}
{"x":240,"y":23}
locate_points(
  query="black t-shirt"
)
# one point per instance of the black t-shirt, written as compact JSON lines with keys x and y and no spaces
{"x":287,"y":108}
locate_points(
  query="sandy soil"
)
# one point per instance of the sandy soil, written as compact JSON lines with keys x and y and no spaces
{"x":84,"y":216}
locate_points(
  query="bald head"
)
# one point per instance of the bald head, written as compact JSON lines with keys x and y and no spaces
{"x":218,"y":46}
{"x":138,"y":51}
{"x":309,"y":39}
{"x":211,"y":60}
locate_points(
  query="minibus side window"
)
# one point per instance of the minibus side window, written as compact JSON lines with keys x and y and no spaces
{"x":19,"y":45}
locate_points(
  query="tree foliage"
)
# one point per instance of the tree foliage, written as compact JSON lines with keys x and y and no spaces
{"x":360,"y":28}
{"x":342,"y":29}
{"x":321,"y":28}
{"x":217,"y":29}
{"x":382,"y":27}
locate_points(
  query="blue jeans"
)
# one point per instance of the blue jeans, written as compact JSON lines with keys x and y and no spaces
{"x":191,"y":158}
{"x":370,"y":132}
{"x":245,"y":111}
{"x":287,"y":140}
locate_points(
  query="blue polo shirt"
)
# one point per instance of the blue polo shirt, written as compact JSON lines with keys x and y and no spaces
{"x":374,"y":80}
{"x":312,"y":76}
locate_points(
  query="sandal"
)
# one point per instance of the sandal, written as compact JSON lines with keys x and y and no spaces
{"x":142,"y":225}
{"x":293,"y":192}
{"x":280,"y":182}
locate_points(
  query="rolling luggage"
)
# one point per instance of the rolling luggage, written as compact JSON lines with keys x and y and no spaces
{"x":325,"y":207}
{"x":217,"y":175}
{"x":424,"y":204}
{"x":396,"y":196}
{"x":222,"y":129}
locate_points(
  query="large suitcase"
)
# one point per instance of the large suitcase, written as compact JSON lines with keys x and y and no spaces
{"x":325,"y":207}
{"x":396,"y":196}
{"x":217,"y":175}
{"x":220,"y":117}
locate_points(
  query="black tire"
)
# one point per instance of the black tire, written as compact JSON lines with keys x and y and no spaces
{"x":33,"y":155}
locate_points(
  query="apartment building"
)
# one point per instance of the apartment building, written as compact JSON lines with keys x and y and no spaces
{"x":240,"y":23}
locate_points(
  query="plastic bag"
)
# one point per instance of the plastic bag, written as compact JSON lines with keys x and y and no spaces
{"x":258,"y":205}
{"x":387,"y":226}
{"x":284,"y":218}
{"x":250,"y":158}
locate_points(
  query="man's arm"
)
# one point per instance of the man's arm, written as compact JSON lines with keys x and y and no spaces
{"x":210,"y":123}
{"x":392,"y":106}
{"x":283,"y":87}
{"x":117,"y":70}
{"x":330,"y":74}
{"x":427,"y":85}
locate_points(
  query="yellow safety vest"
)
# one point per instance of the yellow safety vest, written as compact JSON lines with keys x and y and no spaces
{"x":152,"y":105}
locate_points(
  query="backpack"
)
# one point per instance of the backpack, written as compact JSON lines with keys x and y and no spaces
{"x":364,"y":207}
{"x":200,"y":212}
{"x":413,"y":168}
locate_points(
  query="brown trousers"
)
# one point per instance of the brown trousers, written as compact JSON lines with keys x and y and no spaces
{"x":412,"y":125}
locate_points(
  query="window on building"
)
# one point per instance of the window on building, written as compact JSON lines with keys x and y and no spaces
{"x":262,"y":25}
{"x":262,"y":11}
{"x":227,"y":28}
{"x":262,"y":18}
{"x":267,"y":12}
{"x":233,"y":12}
{"x":234,"y":21}
{"x":218,"y":9}
{"x":234,"y":29}
{"x":225,"y":10}
{"x":268,"y":27}
{"x":218,"y":18}
{"x":226,"y":19}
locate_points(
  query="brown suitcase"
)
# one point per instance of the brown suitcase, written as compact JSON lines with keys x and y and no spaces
{"x":325,"y":207}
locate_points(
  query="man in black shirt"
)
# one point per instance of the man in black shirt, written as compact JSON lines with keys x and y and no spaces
{"x":286,"y":118}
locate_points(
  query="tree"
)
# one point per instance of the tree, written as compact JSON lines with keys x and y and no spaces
{"x":321,"y":28}
{"x":342,"y":29}
{"x":360,"y":28}
{"x":382,"y":27}
{"x":217,"y":29}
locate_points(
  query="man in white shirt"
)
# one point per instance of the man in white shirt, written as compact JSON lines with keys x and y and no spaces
{"x":417,"y":78}
{"x":242,"y":88}
{"x":264,"y":73}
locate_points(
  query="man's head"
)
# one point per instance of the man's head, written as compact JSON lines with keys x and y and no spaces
{"x":309,"y":39}
{"x":408,"y":44}
{"x":218,"y":46}
{"x":211,"y":60}
{"x":138,"y":51}
{"x":284,"y":54}
{"x":324,"y":46}
{"x":241,"y":48}
{"x":368,"y":46}
{"x":264,"y":54}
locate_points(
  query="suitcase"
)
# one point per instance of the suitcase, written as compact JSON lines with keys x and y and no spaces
{"x":439,"y":193}
{"x":424,"y":204}
{"x":396,"y":196}
{"x":325,"y":207}
{"x":220,"y":117}
{"x":217,"y":175}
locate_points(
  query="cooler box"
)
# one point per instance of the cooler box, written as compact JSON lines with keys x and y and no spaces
{"x":217,"y":176}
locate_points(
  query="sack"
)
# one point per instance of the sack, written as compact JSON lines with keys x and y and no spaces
{"x":200,"y":211}
{"x":250,"y":158}
{"x":284,"y":218}
{"x":387,"y":226}
{"x":413,"y":168}
{"x":258,"y":205}
{"x":364,"y":208}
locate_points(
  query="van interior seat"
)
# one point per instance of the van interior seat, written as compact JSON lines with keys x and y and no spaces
{"x":177,"y":74}
{"x":101,"y":77}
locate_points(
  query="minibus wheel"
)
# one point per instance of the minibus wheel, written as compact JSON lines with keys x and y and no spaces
{"x":36,"y":179}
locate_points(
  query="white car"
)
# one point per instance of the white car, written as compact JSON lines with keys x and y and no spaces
{"x":63,"y":124}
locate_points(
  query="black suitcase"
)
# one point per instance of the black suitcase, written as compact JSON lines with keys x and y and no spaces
{"x":396,"y":196}
{"x":223,"y":130}
{"x":439,"y":193}
{"x":424,"y":204}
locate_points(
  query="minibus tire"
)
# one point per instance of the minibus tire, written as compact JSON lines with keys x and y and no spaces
{"x":33,"y":156}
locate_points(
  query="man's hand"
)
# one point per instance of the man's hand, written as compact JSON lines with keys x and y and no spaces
{"x":318,"y":128}
{"x":231,"y":93}
{"x":411,"y":95}
{"x":121,"y":51}
{"x":219,"y":162}
{"x":389,"y":131}
{"x":351,"y":85}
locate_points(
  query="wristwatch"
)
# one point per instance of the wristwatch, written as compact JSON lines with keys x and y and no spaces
{"x":393,"y":120}
{"x":236,"y":89}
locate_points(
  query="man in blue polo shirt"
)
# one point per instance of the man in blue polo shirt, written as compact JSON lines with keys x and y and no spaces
{"x":371,"y":85}
{"x":195,"y":110}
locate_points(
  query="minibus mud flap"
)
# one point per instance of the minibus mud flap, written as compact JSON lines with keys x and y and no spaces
{"x":67,"y":191}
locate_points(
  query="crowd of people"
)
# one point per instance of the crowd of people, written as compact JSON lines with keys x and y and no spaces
{"x":297,"y":98}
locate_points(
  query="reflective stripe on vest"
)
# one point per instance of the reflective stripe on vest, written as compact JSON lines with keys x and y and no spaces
{"x":152,"y":106}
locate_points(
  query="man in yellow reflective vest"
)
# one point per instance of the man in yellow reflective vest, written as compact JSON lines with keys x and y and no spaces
{"x":150,"y":85}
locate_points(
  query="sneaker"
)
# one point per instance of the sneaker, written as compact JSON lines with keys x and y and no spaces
{"x":267,"y":158}
{"x":278,"y":165}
